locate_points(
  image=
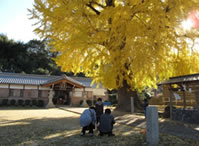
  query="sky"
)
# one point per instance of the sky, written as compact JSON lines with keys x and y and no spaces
{"x":14,"y":20}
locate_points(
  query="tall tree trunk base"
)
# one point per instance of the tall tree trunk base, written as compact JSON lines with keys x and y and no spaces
{"x":124,"y":99}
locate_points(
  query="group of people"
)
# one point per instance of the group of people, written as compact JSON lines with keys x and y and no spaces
{"x":96,"y":116}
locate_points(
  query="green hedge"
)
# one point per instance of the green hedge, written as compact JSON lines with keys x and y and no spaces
{"x":12,"y":102}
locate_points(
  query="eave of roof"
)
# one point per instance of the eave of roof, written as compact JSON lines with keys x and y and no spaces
{"x":63,"y":78}
{"x":87,"y":82}
{"x":181,"y":79}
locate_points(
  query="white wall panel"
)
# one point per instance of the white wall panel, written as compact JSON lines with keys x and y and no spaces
{"x":31,"y":87}
{"x":44,"y":88}
{"x":3,"y":85}
{"x":14,"y":86}
{"x":77,"y":94}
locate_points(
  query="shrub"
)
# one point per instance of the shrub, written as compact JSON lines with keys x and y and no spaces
{"x":27,"y":102}
{"x":20,"y":102}
{"x":5,"y":102}
{"x":89,"y":102}
{"x":12,"y":102}
{"x":81,"y":101}
{"x":166,"y":113}
{"x":54,"y":100}
{"x":94,"y":102}
{"x":34,"y":102}
{"x":113,"y":99}
{"x":40,"y":103}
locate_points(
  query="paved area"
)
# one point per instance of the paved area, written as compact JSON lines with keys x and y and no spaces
{"x":138,"y":121}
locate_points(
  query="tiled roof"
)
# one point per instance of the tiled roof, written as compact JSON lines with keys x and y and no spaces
{"x":58,"y":78}
{"x":182,"y":79}
{"x":86,"y":82}
{"x":29,"y":79}
{"x":32,"y":79}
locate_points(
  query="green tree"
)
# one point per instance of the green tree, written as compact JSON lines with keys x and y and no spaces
{"x":12,"y":54}
{"x":33,"y":57}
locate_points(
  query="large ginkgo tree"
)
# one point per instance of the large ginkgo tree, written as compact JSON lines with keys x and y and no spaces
{"x":123,"y":44}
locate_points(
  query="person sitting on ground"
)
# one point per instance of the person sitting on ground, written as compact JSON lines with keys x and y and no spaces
{"x":87,"y":121}
{"x":106,"y":123}
{"x":99,"y":108}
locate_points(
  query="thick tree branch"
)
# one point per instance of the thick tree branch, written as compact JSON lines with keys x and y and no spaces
{"x":110,"y":3}
{"x":92,"y":8}
{"x":100,"y":5}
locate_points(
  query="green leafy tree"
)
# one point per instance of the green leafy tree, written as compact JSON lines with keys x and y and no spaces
{"x":33,"y":57}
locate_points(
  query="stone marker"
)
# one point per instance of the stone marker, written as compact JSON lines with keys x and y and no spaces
{"x":50,"y":102}
{"x":132,"y":105}
{"x":84,"y":103}
{"x":152,"y":136}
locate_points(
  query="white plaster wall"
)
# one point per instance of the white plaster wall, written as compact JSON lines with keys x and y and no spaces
{"x":99,"y":91}
{"x":77,"y":94}
{"x":79,"y":90}
{"x":14,"y":86}
{"x":3,"y":85}
{"x":31,"y":87}
{"x":44,"y":88}
{"x":89,"y":89}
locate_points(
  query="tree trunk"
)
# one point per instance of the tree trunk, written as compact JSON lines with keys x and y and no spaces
{"x":124,"y":99}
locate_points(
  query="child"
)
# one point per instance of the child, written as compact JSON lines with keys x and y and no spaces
{"x":106,"y":123}
{"x":99,"y":108}
{"x":88,"y":120}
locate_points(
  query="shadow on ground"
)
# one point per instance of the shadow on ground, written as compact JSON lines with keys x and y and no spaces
{"x":166,"y":126}
{"x":59,"y":131}
{"x":36,"y":131}
{"x":65,"y":131}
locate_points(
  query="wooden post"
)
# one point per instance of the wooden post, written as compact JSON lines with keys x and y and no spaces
{"x":132,"y":105}
{"x":170,"y":102}
{"x":184,"y":98}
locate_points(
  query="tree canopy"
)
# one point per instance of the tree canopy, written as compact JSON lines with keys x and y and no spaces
{"x":141,"y":42}
{"x":33,"y":57}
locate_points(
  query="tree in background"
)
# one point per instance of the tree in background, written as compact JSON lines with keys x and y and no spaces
{"x":33,"y":57}
{"x":124,"y":44}
{"x":12,"y":54}
{"x":39,"y":53}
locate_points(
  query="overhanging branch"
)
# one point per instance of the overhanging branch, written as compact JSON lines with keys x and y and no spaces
{"x":92,"y":8}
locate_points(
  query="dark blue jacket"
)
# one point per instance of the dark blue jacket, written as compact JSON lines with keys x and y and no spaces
{"x":106,"y":123}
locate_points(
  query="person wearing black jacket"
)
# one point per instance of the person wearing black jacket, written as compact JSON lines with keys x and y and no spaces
{"x":99,"y":109}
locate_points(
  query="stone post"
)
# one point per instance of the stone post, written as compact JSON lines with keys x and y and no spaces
{"x":84,"y":104}
{"x":50,"y":97}
{"x":152,"y":126}
{"x":132,"y":105}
